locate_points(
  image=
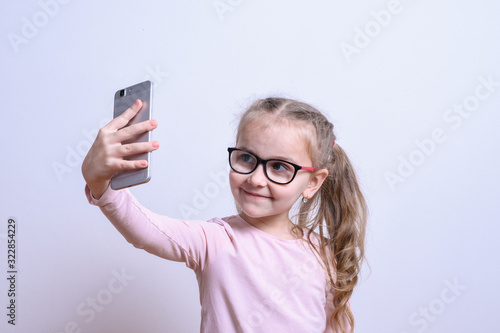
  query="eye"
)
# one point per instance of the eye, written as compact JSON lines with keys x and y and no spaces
{"x":246,"y":158}
{"x":279,"y":166}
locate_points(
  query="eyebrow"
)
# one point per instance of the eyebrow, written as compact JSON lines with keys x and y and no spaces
{"x":272,"y":158}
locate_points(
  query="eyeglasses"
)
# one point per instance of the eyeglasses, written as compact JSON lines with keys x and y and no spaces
{"x":279,"y":171}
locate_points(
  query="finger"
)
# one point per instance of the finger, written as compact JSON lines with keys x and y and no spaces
{"x":131,"y":165}
{"x":123,"y":119}
{"x":138,"y":148}
{"x":136,"y":129}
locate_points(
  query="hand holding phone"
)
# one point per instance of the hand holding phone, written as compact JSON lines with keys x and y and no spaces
{"x":123,"y":99}
{"x":109,"y":152}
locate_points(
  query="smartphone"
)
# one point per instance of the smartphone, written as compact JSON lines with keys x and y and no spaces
{"x":124,"y":98}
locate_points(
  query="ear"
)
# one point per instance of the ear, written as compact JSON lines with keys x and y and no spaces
{"x":315,"y":182}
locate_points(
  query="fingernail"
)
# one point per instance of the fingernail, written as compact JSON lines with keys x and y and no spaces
{"x":153,"y":122}
{"x":156,"y":144}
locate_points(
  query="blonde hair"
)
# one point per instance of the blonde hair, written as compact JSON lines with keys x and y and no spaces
{"x":334,"y":219}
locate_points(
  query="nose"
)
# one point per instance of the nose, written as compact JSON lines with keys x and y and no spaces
{"x":258,"y":177}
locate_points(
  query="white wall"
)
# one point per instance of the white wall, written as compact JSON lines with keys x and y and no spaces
{"x":430,"y":173}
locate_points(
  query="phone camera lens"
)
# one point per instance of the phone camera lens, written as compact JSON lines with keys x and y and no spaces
{"x":122,"y":92}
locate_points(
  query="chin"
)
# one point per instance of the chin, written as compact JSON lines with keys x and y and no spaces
{"x":252,"y":213}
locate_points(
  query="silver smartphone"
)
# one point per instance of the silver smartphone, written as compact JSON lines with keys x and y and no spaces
{"x":124,"y":98}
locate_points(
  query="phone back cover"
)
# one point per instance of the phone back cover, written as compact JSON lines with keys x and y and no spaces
{"x":142,"y":91}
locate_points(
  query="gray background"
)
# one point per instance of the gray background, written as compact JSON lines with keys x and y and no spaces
{"x":391,"y":75}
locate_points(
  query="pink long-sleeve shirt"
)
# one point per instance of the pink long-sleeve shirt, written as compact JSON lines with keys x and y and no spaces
{"x":249,"y":280}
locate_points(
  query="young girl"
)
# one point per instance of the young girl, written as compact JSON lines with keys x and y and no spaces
{"x":257,"y":271}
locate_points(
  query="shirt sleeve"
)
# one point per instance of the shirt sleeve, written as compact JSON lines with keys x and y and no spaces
{"x":191,"y":242}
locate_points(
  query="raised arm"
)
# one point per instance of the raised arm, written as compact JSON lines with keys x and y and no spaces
{"x":191,"y":242}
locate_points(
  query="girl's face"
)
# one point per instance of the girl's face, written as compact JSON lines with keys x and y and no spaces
{"x":261,"y":200}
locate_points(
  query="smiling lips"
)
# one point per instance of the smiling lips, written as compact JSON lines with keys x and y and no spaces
{"x":255,"y":195}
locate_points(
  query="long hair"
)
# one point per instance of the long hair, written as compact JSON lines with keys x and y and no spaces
{"x":334,"y":219}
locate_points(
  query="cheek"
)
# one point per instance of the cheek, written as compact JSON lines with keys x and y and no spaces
{"x":235,"y":181}
{"x":294,"y":191}
{"x":232,"y":178}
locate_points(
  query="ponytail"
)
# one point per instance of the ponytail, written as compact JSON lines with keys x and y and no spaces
{"x":340,"y":220}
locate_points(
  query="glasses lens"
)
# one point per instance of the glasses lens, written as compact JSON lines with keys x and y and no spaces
{"x":242,"y":162}
{"x":276,"y":170}
{"x":280,"y":171}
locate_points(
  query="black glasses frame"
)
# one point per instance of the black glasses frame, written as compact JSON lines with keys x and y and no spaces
{"x":264,"y":163}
